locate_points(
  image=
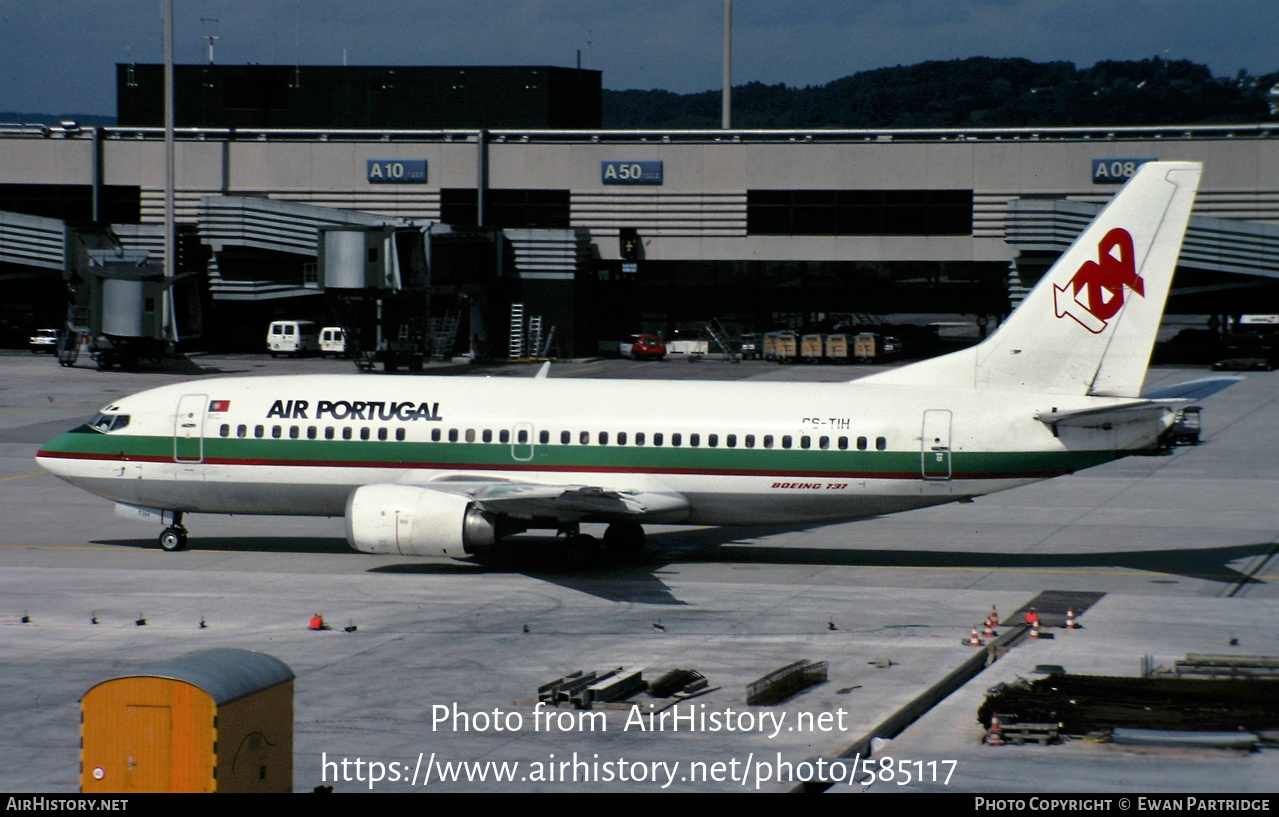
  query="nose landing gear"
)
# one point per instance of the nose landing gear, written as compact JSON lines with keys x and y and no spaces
{"x":174,"y":537}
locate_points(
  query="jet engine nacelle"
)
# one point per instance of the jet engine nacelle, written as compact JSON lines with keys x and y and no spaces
{"x":411,"y":521}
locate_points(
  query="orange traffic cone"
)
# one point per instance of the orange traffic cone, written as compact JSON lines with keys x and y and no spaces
{"x":974,"y":641}
{"x":995,"y":736}
{"x":1070,"y":618}
{"x":994,"y":616}
{"x":1034,"y":629}
{"x":990,"y":629}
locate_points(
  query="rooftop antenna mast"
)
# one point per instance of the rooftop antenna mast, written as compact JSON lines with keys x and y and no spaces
{"x":297,"y":46}
{"x":211,"y":38}
{"x":727,"y":102}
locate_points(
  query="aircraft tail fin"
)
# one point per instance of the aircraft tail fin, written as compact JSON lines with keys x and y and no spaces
{"x":1089,"y":325}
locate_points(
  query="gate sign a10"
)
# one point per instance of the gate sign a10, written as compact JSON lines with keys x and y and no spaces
{"x":397,"y":171}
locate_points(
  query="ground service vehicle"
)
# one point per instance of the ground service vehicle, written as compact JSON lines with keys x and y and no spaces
{"x":333,"y":341}
{"x":643,"y":347}
{"x":45,"y":340}
{"x":292,"y":338}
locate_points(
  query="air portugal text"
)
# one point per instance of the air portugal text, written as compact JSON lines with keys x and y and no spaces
{"x":406,"y":410}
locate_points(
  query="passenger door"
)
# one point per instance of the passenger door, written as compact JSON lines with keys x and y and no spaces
{"x":934,"y":455}
{"x":188,"y":428}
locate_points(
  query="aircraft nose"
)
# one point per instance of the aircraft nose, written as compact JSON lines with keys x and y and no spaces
{"x":56,"y":455}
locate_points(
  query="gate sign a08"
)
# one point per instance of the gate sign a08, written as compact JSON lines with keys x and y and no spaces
{"x":1117,"y":171}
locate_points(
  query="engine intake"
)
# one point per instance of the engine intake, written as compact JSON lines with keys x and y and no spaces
{"x":412,"y":521}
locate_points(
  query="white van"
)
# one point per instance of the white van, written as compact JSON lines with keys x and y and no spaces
{"x":333,"y":341}
{"x":292,"y":338}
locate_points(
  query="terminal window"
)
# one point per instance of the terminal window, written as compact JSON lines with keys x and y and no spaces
{"x":508,"y":208}
{"x":859,"y":212}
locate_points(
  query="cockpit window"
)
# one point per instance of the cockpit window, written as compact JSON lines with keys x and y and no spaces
{"x":107,"y":423}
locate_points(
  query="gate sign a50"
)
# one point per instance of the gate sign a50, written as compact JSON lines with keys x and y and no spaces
{"x":626,"y":171}
{"x":397,"y":171}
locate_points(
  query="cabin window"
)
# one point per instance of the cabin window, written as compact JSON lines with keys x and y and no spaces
{"x":584,"y":438}
{"x":639,"y":437}
{"x":364,"y":433}
{"x":242,"y":431}
{"x":565,"y":438}
{"x":399,"y":434}
{"x":861,"y":443}
{"x":487,"y":436}
{"x":544,"y":437}
{"x":225,"y":430}
{"x":750,"y":440}
{"x":259,"y":432}
{"x":470,"y":435}
{"x":786,"y":441}
{"x":881,"y":443}
{"x":843,"y":443}
{"x":824,"y":443}
{"x":436,"y":434}
{"x":695,"y":440}
{"x":346,"y":432}
{"x":677,"y":439}
{"x":731,"y":440}
{"x":712,"y":440}
{"x":452,"y":435}
{"x":657,"y":438}
{"x":311,"y":432}
{"x":381,"y":433}
{"x":294,"y":432}
{"x":277,"y":432}
{"x":328,"y":432}
{"x":504,"y":436}
{"x":805,"y":441}
{"x":603,"y":438}
{"x":621,"y":438}
{"x":768,"y":440}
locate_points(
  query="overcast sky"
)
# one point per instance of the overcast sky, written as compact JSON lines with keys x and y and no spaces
{"x":58,"y":56}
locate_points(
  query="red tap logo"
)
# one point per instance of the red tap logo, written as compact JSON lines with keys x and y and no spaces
{"x":1096,"y":293}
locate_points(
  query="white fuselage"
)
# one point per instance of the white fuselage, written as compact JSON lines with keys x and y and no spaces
{"x":737,"y":452}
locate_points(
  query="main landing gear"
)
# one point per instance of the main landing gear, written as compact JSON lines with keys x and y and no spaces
{"x":624,"y":538}
{"x":174,"y":537}
{"x":582,"y":551}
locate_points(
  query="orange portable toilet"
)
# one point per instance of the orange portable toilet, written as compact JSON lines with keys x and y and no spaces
{"x":214,"y":720}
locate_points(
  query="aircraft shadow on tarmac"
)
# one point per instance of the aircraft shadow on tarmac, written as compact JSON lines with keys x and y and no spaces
{"x":734,"y":546}
{"x":639,"y":579}
{"x":248,"y":544}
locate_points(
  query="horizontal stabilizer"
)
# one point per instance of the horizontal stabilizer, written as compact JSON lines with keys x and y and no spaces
{"x":1107,"y":416}
{"x":1194,"y":389}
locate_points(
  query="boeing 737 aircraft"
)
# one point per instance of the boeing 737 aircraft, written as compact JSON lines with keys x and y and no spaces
{"x":452,"y":466}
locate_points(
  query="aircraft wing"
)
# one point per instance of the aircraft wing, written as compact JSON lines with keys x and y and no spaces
{"x":566,"y":503}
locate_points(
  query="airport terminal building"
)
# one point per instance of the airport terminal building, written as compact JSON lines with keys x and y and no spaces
{"x":601,"y":233}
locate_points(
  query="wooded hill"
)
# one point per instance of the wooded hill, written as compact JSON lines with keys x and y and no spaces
{"x":975,"y":92}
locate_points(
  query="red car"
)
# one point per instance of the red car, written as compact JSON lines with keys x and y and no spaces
{"x":641,"y":347}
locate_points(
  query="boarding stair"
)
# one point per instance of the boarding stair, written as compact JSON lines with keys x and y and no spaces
{"x":443,"y":332}
{"x":515,"y":348}
{"x":73,"y":335}
{"x":719,"y":337}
